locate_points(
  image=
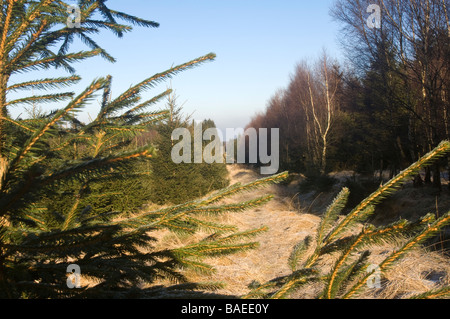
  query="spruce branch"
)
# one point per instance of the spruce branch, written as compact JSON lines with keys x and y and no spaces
{"x":387,"y":189}
{"x":298,"y":252}
{"x":153,"y":80}
{"x":293,"y":281}
{"x":342,"y":259}
{"x":55,"y":61}
{"x":146,"y":104}
{"x":238,"y":188}
{"x":76,"y":103}
{"x":332,"y":214}
{"x":31,"y":16}
{"x":415,"y":241}
{"x":441,"y":293}
{"x":210,"y":226}
{"x":98,"y":164}
{"x":46,"y":84}
{"x":242,"y":235}
{"x":48,"y":98}
{"x":134,"y":20}
{"x":429,"y":227}
{"x":18,"y":124}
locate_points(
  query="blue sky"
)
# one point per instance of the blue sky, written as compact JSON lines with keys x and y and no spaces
{"x":257,"y":43}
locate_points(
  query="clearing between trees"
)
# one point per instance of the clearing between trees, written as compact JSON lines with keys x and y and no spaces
{"x":288,"y":223}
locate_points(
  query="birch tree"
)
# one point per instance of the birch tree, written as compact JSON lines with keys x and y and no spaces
{"x":418,"y":33}
{"x":322,"y":88}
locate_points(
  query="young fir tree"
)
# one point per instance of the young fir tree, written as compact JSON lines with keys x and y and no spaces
{"x":351,"y":271}
{"x":215,"y":173}
{"x":179,"y":182}
{"x":114,"y":249}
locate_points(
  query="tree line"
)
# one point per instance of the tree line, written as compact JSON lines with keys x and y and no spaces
{"x":383,"y":108}
{"x":73,"y":216}
{"x":72,"y":219}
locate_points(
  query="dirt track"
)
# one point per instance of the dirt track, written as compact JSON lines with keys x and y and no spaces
{"x":288,"y":224}
{"x":286,"y":228}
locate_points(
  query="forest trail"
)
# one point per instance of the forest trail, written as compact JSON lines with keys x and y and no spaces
{"x":286,"y":228}
{"x":288,"y":224}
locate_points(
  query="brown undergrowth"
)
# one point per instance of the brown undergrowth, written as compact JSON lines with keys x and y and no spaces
{"x":290,"y":217}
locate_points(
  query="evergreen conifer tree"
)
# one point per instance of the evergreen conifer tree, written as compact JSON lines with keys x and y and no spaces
{"x":179,"y":182}
{"x":58,"y":155}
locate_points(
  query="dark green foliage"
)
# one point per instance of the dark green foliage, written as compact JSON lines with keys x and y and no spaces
{"x":70,"y":192}
{"x":179,"y":182}
{"x":115,"y":193}
{"x":359,"y":189}
{"x":317,"y":182}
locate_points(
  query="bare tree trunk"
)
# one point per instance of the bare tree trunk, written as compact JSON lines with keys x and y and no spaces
{"x":427,"y":175}
{"x":317,"y":125}
{"x":417,"y":181}
{"x":437,"y":176}
{"x":323,"y":113}
{"x":330,"y":112}
{"x":309,"y":137}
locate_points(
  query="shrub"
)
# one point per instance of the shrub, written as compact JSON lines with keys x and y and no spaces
{"x":179,"y":182}
{"x":317,"y":182}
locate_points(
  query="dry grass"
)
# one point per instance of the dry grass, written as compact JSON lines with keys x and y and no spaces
{"x":418,"y":272}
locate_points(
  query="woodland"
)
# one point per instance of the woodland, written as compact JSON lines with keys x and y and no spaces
{"x":85,"y":207}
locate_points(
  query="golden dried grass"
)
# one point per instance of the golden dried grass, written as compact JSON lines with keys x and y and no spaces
{"x":287,"y":226}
